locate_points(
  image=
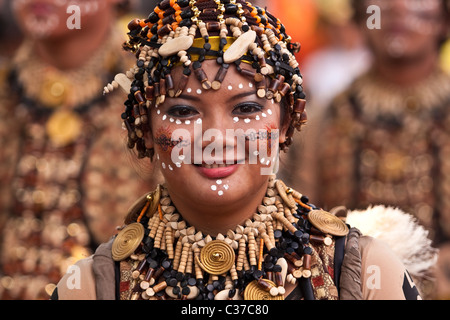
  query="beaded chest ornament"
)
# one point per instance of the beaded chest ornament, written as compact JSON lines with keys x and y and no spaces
{"x":166,"y":258}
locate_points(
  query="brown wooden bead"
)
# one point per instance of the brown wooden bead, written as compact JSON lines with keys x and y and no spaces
{"x":182,"y":85}
{"x":169,"y":85}
{"x":299,"y":106}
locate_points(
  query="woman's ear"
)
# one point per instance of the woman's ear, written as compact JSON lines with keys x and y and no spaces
{"x":285,"y":122}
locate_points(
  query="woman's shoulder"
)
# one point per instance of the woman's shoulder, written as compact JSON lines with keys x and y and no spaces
{"x":92,"y":278}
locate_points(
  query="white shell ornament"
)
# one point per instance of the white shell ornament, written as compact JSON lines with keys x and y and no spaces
{"x":239,"y":47}
{"x":175,"y":45}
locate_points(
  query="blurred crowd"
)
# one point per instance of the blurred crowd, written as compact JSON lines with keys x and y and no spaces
{"x":378,"y":129}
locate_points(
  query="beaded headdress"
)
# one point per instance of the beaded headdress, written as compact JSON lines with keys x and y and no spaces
{"x":187,"y":32}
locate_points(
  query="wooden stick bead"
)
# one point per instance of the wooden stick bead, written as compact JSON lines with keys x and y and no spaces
{"x":202,"y":77}
{"x":159,"y":234}
{"x":177,"y":256}
{"x":294,"y":259}
{"x":156,"y":288}
{"x":261,"y":253}
{"x":183,"y":82}
{"x":169,"y":85}
{"x":169,"y":241}
{"x":321,"y":239}
{"x":252,"y":249}
{"x":198,"y":269}
{"x":220,"y":76}
{"x":306,"y":265}
{"x":184,"y":257}
{"x":261,"y":88}
{"x":190,"y":261}
{"x":241,"y":254}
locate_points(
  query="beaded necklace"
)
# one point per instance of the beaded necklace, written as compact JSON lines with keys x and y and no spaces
{"x":162,"y":257}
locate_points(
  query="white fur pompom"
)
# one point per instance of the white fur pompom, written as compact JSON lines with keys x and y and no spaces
{"x":402,"y":233}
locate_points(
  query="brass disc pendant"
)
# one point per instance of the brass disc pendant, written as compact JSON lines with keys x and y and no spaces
{"x":217,"y":257}
{"x":327,"y":223}
{"x":63,"y":127}
{"x":135,"y":209}
{"x":127,"y":241}
{"x":254,"y":292}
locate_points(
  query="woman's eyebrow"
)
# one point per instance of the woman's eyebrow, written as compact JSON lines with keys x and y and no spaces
{"x":234,"y":97}
{"x":243,"y":95}
{"x":188,"y":97}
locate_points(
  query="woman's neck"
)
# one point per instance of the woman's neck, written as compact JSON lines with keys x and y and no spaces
{"x":73,"y":50}
{"x":219,"y":218}
{"x":404,"y":72}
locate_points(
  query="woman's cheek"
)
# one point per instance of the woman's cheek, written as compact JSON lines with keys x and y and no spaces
{"x":172,"y":144}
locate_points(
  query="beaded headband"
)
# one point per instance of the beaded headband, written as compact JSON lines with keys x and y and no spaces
{"x":185,"y":33}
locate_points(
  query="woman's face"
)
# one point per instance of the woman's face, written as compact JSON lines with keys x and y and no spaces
{"x":44,"y":19}
{"x":408,"y":28}
{"x":216,"y":146}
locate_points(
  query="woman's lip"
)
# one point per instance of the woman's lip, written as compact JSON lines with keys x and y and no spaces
{"x":217,"y":173}
{"x":41,"y":8}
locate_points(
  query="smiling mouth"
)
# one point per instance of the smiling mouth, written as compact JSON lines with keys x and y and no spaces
{"x":218,"y":165}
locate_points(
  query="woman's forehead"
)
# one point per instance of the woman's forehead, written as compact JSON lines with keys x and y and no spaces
{"x":234,"y":85}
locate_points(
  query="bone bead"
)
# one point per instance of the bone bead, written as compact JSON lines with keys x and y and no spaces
{"x":239,"y":47}
{"x":124,"y":82}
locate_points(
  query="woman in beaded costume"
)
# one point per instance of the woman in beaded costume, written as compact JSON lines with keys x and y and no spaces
{"x":61,"y":193}
{"x":215,"y":94}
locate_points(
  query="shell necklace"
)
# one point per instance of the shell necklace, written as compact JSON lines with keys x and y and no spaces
{"x":169,"y":259}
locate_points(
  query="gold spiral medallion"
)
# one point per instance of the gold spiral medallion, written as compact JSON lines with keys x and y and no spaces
{"x":327,"y":223}
{"x":217,"y":257}
{"x":254,"y":292}
{"x":127,"y":241}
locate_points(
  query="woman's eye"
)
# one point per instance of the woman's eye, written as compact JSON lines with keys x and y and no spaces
{"x":182,"y":112}
{"x":247,"y":109}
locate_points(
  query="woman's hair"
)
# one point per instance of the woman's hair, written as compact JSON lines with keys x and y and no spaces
{"x":185,"y":33}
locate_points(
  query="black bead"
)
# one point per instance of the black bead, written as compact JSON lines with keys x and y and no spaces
{"x":185,"y":291}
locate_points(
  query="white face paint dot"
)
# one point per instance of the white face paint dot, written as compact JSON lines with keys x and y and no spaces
{"x":189,"y":90}
{"x":178,"y":121}
{"x":170,"y":167}
{"x":220,"y":193}
{"x":219,"y":181}
{"x":158,"y":111}
{"x":235,"y":119}
{"x":250,"y":85}
{"x":226,"y":187}
{"x":262,"y":160}
{"x":241,"y":86}
{"x":182,"y":157}
{"x":269,"y":112}
{"x":247,"y":120}
{"x":187,"y":122}
{"x":163,"y":165}
{"x":213,"y":187}
{"x":264,"y":115}
{"x":230,"y":87}
{"x":157,"y":156}
{"x":178,"y":164}
{"x":199,"y":91}
{"x":257,"y":118}
{"x":171,"y":120}
{"x":164,"y":117}
{"x":199,"y":121}
{"x":255,"y":153}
